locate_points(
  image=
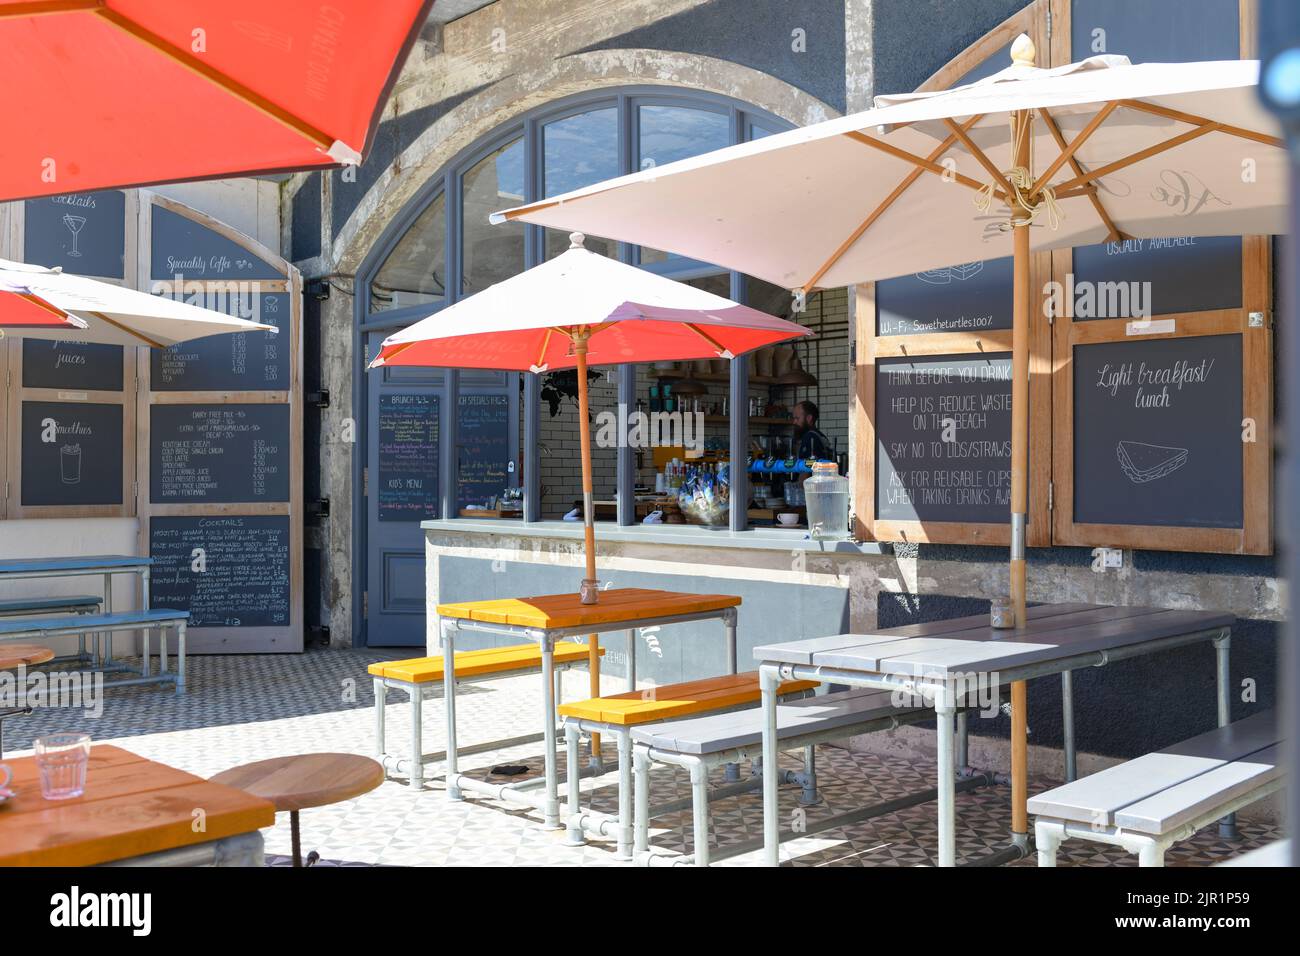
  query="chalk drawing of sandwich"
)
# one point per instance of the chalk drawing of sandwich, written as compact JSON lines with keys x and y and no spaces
{"x":958,"y":273}
{"x":1143,"y":462}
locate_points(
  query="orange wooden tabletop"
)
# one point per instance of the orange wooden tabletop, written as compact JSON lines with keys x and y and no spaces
{"x":131,"y":806}
{"x":567,"y":610}
{"x":15,"y":655}
{"x":306,"y":780}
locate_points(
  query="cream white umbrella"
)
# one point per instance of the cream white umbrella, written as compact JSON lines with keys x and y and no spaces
{"x":1100,"y":150}
{"x":104,"y":313}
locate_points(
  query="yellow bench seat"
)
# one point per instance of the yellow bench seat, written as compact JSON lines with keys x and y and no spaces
{"x":488,"y":660}
{"x":676,"y":700}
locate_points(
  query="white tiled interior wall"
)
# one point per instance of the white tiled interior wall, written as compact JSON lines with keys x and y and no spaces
{"x":827,"y":357}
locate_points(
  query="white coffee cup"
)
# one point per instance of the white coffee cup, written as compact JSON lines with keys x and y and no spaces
{"x":788,"y":518}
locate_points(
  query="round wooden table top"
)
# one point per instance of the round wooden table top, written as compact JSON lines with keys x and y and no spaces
{"x":305,"y":780}
{"x":25,"y":655}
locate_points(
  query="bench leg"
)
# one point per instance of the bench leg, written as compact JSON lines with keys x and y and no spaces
{"x":572,"y":738}
{"x":1153,"y":854}
{"x":447,"y":630}
{"x":963,"y":742}
{"x":768,"y":680}
{"x":417,"y":744}
{"x":162,"y":650}
{"x":146,"y":667}
{"x":1048,"y":842}
{"x":700,"y":812}
{"x":1223,"y":685}
{"x":641,"y":801}
{"x":631,"y":660}
{"x":809,"y":795}
{"x":624,"y":848}
{"x":381,"y":699}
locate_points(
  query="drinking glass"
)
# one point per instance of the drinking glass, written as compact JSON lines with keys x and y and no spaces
{"x":62,"y":760}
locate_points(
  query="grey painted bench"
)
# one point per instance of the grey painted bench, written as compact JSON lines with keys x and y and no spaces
{"x":66,"y":604}
{"x":699,"y":744}
{"x":1148,"y":804}
{"x":79,"y":625}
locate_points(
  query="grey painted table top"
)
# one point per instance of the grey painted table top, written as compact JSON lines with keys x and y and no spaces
{"x":970,"y":644}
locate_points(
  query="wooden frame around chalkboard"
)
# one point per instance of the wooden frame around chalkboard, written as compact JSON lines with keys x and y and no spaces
{"x":869,"y":346}
{"x":233,"y":640}
{"x":1256,"y":534}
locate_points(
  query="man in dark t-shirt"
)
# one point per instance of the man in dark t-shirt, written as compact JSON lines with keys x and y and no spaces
{"x":809,"y":442}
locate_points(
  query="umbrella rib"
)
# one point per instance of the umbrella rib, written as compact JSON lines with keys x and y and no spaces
{"x":879,"y":211}
{"x":1195,"y":120}
{"x":1067,"y":152}
{"x":40,"y":8}
{"x":129,"y":331}
{"x":195,"y":65}
{"x":50,"y":307}
{"x":722,"y":351}
{"x":546,"y":343}
{"x":1102,"y":171}
{"x":980,"y":156}
{"x":1113,"y":233}
{"x":925,"y":164}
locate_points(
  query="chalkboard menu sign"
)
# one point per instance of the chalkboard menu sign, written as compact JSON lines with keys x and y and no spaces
{"x":484,"y":442}
{"x":84,"y":233}
{"x":248,"y":361}
{"x":1158,"y":432}
{"x":72,"y":453}
{"x":971,"y":297}
{"x":1157,"y":277}
{"x":407,"y":489}
{"x":227,"y":571}
{"x":79,"y":366}
{"x":943,"y":433}
{"x":218,"y":453}
{"x":186,"y":248}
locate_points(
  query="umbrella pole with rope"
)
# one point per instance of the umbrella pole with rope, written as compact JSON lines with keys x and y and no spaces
{"x":590,"y":586}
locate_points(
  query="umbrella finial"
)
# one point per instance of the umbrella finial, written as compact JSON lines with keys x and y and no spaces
{"x":576,"y":240}
{"x":1023,"y":51}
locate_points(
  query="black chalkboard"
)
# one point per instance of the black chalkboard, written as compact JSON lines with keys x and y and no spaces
{"x":407,"y":487}
{"x":248,"y":361}
{"x":188,"y":249}
{"x":971,"y":297}
{"x":484,"y":443}
{"x":218,"y":453}
{"x":77,"y":366}
{"x":72,"y":453}
{"x":943,"y":438}
{"x":1185,"y":274}
{"x":227,"y":571}
{"x":84,"y":233}
{"x":1158,"y":432}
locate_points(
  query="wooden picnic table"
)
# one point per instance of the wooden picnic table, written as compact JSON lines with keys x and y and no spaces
{"x":942,"y":662}
{"x":133,"y":810}
{"x":551,"y":617}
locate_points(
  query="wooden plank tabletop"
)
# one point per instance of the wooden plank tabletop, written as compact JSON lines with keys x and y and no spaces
{"x":567,"y":610}
{"x":131,"y":806}
{"x":971,"y":645}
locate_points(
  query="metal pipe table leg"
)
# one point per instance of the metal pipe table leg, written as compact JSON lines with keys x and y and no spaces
{"x":700,"y":812}
{"x":381,"y":697}
{"x":551,"y":809}
{"x":768,"y":680}
{"x":573,"y":811}
{"x":944,"y":714}
{"x":1223,"y":686}
{"x":809,"y":795}
{"x":296,"y":836}
{"x":631,"y":660}
{"x":963,"y":742}
{"x":624,"y":847}
{"x":641,"y":801}
{"x":1067,"y":725}
{"x":447,"y":629}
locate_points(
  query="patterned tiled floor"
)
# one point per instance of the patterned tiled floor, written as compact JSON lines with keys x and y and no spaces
{"x":239,"y":709}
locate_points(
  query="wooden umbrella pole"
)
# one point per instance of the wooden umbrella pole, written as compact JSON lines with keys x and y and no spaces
{"x":590,"y":586}
{"x":1020,"y":459}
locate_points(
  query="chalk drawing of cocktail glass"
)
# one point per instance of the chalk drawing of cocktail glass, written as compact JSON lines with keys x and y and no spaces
{"x":74,"y":224}
{"x":70,"y":464}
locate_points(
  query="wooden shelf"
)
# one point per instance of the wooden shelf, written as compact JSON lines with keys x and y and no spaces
{"x":754,"y":420}
{"x":710,"y":376}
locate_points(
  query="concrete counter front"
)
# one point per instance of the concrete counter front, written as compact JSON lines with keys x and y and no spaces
{"x":790,"y":585}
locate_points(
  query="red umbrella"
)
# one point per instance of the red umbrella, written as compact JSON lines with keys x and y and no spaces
{"x":23,"y":309}
{"x":115,"y":93}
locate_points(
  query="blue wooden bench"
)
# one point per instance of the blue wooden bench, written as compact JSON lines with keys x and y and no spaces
{"x":65,"y":604}
{"x":79,"y":625}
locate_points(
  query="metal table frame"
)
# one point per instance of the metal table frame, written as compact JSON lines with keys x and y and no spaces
{"x":941,"y":693}
{"x":521,"y":791}
{"x":130,"y":564}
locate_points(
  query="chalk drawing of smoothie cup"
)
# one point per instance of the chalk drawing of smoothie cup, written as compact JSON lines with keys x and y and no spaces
{"x":70,"y":464}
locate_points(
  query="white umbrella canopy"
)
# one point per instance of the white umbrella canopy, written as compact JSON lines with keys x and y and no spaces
{"x":112,"y":315}
{"x":892,"y":190}
{"x":1026,"y":159}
